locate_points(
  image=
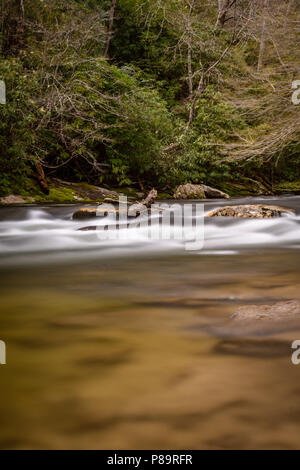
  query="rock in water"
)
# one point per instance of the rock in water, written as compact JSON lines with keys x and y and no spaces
{"x":85,"y":213}
{"x":102,"y":210}
{"x":258,"y":211}
{"x":198,"y":191}
{"x":260,"y":321}
{"x":276,"y":312}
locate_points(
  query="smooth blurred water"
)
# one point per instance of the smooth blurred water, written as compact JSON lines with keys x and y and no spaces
{"x":127,"y":344}
{"x":29,"y":235}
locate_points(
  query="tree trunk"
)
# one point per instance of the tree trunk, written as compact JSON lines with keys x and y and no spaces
{"x":150,"y":199}
{"x":263,"y":36}
{"x":13,"y":26}
{"x":110,"y":26}
{"x":189,"y":49}
{"x":41,"y":178}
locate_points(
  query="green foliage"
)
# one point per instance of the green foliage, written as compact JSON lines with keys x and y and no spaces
{"x":143,"y":129}
{"x":114,"y":120}
{"x":17,"y":123}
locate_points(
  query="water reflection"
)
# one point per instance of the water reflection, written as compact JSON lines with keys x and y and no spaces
{"x":131,"y":353}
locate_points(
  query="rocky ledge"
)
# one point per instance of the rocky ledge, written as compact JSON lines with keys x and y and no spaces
{"x":251,"y":211}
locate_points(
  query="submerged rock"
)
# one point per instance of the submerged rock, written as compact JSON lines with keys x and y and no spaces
{"x":104,"y":209}
{"x":198,"y":191}
{"x":254,"y":347}
{"x":259,"y":211}
{"x":259,"y":321}
{"x":85,"y":213}
{"x":281,"y":311}
{"x":262,"y":320}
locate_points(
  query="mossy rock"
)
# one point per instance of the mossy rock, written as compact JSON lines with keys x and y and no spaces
{"x":198,"y":191}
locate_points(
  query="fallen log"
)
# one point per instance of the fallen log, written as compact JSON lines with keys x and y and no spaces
{"x":103,"y":209}
{"x":150,"y":199}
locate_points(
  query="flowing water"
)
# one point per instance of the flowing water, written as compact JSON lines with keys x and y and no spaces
{"x":127,"y":343}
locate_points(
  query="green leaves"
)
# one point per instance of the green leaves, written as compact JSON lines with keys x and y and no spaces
{"x":90,"y":118}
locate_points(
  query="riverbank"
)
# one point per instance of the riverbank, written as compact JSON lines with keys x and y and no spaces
{"x":73,"y":192}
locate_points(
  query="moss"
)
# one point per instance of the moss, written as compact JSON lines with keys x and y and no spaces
{"x":161,"y":196}
{"x":85,"y":186}
{"x":22,"y":185}
{"x":129,"y":192}
{"x":235,"y":189}
{"x":57,"y":195}
{"x":287,"y":186}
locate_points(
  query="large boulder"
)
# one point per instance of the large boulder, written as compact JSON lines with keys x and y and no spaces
{"x":253,"y":211}
{"x":12,"y":199}
{"x":213,"y":193}
{"x":198,"y":191}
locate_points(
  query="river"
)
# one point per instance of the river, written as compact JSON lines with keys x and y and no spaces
{"x":124,"y":344}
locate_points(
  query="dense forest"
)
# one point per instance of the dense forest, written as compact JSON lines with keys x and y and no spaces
{"x":143,"y":93}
